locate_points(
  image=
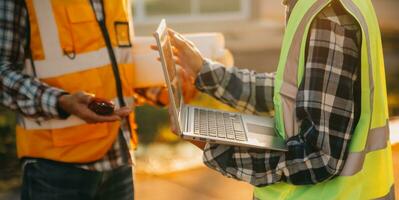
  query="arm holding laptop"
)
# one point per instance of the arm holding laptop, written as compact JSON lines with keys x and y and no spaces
{"x":316,"y":153}
{"x":244,"y":90}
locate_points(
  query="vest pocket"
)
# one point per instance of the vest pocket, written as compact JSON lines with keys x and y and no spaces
{"x":122,"y":34}
{"x":79,"y":134}
{"x":88,"y":81}
{"x":85,"y":31}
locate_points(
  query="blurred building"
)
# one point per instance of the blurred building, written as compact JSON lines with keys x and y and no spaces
{"x":240,"y":20}
{"x":254,"y":28}
{"x":247,"y":24}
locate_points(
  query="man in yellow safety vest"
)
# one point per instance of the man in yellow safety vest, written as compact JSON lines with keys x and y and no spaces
{"x":328,"y":97}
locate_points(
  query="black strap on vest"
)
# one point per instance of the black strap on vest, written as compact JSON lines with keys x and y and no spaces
{"x":114,"y":63}
{"x":115,"y":70}
{"x":111,"y":54}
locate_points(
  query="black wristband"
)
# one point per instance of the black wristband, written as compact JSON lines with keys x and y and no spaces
{"x":61,"y":112}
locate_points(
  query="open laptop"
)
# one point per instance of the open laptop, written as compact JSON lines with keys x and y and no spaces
{"x":215,"y":126}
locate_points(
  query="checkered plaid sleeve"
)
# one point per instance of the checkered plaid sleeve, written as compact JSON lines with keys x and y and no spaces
{"x":20,"y":92}
{"x":327,"y":109}
{"x":242,"y":89}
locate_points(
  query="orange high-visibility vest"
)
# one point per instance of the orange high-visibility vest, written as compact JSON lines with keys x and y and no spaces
{"x":69,"y":50}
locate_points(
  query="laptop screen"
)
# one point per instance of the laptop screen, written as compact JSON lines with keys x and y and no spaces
{"x":170,"y":69}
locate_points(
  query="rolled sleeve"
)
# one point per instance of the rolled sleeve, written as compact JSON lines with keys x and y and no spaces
{"x":242,"y":89}
{"x":27,"y":95}
{"x":18,"y":91}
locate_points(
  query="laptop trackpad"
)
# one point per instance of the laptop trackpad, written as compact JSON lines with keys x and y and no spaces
{"x":259,"y":129}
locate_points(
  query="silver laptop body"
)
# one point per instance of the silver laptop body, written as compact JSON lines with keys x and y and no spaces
{"x":210,"y":125}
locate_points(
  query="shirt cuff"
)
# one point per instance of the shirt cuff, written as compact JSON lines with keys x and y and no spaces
{"x":49,"y":103}
{"x":207,"y":66}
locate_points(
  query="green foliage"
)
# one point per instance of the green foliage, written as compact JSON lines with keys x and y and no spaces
{"x":9,"y":163}
{"x":150,"y":120}
{"x":7,"y":131}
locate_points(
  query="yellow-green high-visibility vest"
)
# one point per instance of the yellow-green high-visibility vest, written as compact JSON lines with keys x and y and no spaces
{"x":367,"y":173}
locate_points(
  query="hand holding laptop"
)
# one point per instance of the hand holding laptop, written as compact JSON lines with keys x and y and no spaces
{"x":204,"y":124}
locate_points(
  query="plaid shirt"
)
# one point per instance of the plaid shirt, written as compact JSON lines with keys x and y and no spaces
{"x":31,"y":97}
{"x":327,"y":108}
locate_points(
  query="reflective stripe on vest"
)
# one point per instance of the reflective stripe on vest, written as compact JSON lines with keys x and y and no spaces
{"x":369,"y":154}
{"x":32,"y":124}
{"x":81,"y":62}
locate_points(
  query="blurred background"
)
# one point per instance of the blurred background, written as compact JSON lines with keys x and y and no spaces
{"x":253,"y":31}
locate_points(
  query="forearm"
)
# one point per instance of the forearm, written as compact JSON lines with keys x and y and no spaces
{"x":307,"y":160}
{"x":20,"y":92}
{"x":27,"y":95}
{"x":242,"y":89}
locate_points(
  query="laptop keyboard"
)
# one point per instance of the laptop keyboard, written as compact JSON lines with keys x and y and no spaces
{"x":218,"y":124}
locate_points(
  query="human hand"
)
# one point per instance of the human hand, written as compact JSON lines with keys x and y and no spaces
{"x":186,"y":54}
{"x":187,"y":84}
{"x":77,"y":104}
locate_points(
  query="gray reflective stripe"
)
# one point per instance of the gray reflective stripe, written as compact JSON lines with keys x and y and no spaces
{"x":389,"y":196}
{"x":33,"y":124}
{"x":358,"y":14}
{"x":56,"y":63}
{"x":377,"y":139}
{"x":291,"y":66}
{"x":60,"y":66}
{"x":290,"y":75}
{"x":47,"y":28}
